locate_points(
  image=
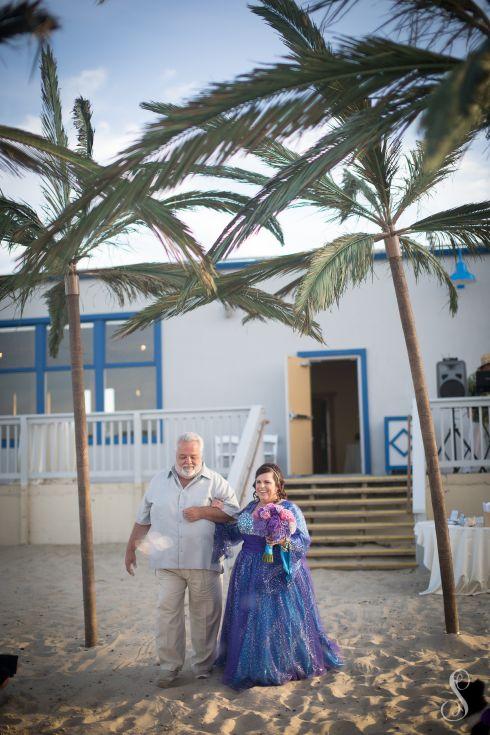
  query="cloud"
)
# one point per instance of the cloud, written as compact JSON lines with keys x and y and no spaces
{"x":31,"y":123}
{"x":86,"y":83}
{"x":168,"y":74}
{"x":178,"y":92}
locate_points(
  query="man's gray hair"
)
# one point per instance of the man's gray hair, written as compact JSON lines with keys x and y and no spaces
{"x":191,"y":436}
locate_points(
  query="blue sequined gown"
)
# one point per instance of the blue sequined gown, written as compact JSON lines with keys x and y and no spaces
{"x":272,"y":631}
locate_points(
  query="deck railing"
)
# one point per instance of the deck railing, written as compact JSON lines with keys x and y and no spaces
{"x":462,"y":427}
{"x":123,"y":446}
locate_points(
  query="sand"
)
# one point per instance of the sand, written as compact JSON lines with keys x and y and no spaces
{"x":396,"y":676}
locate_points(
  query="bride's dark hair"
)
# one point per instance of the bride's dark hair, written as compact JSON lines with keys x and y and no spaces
{"x":278,"y":477}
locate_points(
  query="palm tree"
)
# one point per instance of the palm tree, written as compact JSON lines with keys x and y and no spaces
{"x":321,"y":277}
{"x":67,"y":176}
{"x":250,"y":115}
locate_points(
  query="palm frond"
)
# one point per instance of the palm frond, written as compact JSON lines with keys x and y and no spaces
{"x":346,"y":260}
{"x":458,"y":108}
{"x":26,"y":17}
{"x":227,"y":202}
{"x":56,"y":188}
{"x":58,"y":314}
{"x":256,"y":304}
{"x":441,"y":22}
{"x":82,"y":120}
{"x":464,"y":226}
{"x":289,"y":184}
{"x":19,"y":223}
{"x":294,"y":25}
{"x":423,"y":260}
{"x":419,"y":179}
{"x":41,"y":150}
{"x":129,"y":282}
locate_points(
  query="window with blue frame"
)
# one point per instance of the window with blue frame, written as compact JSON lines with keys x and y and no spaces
{"x":120,"y":373}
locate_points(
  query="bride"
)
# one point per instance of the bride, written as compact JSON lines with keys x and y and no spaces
{"x":271,"y":632}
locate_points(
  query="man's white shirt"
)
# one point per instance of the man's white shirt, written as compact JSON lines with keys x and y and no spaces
{"x":173,"y":542}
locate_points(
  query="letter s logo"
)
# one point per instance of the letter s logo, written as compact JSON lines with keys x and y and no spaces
{"x":460,"y":675}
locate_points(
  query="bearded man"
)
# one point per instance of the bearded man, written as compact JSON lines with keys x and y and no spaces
{"x":175,"y":521}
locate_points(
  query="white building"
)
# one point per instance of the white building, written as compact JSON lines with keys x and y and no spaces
{"x":336,"y":413}
{"x":351,"y":386}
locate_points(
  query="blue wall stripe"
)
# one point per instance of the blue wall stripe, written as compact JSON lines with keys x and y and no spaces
{"x":40,"y":353}
{"x":99,"y":361}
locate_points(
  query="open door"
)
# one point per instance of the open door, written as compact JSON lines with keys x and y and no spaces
{"x":299,"y":418}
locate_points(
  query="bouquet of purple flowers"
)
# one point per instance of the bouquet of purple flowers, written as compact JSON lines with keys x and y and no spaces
{"x":275,"y":523}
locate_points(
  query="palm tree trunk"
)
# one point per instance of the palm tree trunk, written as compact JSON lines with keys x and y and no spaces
{"x":72,"y":290}
{"x":393,"y":251}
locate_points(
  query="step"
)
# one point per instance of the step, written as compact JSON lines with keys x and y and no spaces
{"x":362,"y":564}
{"x":321,"y":503}
{"x":301,"y":492}
{"x":359,"y":551}
{"x":359,"y":525}
{"x":356,"y":538}
{"x":344,"y":479}
{"x":358,"y":512}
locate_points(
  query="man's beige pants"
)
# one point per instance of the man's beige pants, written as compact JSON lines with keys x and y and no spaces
{"x":205,"y":604}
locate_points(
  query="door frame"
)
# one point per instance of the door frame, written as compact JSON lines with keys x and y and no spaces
{"x":360,"y":356}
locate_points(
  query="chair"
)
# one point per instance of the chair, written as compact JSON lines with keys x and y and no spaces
{"x":270,"y":448}
{"x":225,"y":448}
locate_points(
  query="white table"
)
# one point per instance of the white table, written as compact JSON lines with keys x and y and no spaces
{"x":470,"y":546}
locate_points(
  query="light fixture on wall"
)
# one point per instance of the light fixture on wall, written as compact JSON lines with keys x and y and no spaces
{"x":462,"y":276}
{"x":137,"y":392}
{"x":1,"y":355}
{"x":143,"y":348}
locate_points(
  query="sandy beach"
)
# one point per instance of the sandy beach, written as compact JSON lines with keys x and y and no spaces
{"x":396,"y":675}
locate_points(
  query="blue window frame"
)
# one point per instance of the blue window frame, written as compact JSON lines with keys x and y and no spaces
{"x":99,"y":364}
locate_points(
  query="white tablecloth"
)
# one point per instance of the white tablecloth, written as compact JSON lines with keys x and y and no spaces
{"x":470,"y":546}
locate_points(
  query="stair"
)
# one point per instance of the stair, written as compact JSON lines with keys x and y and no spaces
{"x":356,"y":522}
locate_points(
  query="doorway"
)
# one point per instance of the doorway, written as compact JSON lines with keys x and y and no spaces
{"x":335,"y":416}
{"x":327,"y":413}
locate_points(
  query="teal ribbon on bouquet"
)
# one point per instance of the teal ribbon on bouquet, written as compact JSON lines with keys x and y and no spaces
{"x":268,"y":557}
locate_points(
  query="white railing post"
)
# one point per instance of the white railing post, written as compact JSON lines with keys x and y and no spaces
{"x":418,"y":459}
{"x":137,"y":437}
{"x":24,"y":452}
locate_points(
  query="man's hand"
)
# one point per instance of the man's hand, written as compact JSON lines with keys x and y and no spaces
{"x":130,"y":561}
{"x":193,"y":514}
{"x":281,"y":542}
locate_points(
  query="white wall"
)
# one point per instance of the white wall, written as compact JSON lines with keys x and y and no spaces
{"x":51,"y":512}
{"x":210,"y":360}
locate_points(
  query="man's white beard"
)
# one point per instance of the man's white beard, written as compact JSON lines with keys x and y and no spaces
{"x":187,"y":472}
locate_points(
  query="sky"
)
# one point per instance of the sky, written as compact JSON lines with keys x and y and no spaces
{"x":123,"y":52}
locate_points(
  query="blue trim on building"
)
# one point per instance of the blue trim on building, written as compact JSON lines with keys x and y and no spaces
{"x":362,"y":354}
{"x":99,"y":360}
{"x":40,"y":353}
{"x":378,"y":255}
{"x":99,"y":364}
{"x":391,"y":442}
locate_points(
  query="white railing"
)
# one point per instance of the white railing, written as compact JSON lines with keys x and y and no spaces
{"x":462,"y":427}
{"x":124,"y":446}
